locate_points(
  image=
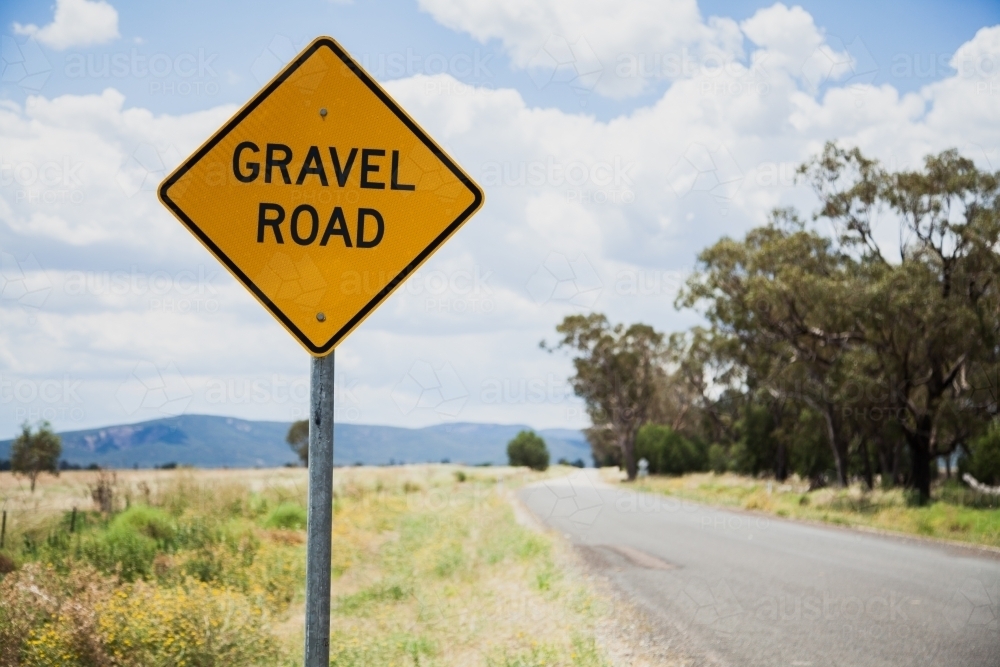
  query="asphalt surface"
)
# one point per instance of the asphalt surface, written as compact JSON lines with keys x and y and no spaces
{"x":743,"y":589}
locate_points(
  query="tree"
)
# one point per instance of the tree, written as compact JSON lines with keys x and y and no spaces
{"x":930,"y":317}
{"x":892,"y":349}
{"x":603,"y":447}
{"x":35,"y":452}
{"x":780,"y":303}
{"x":298,"y":439}
{"x":668,"y":452}
{"x":619,"y":371}
{"x":528,"y":449}
{"x":985,"y":460}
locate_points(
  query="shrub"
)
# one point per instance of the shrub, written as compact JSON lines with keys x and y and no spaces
{"x":103,"y":491}
{"x":194,"y":624}
{"x":528,"y":449}
{"x":130,"y":543}
{"x":287,"y":515}
{"x":984,"y":464}
{"x":149,"y":521}
{"x":46,"y":619}
{"x":121,"y":550}
{"x":718,"y":459}
{"x":667,"y":451}
{"x":86,"y":619}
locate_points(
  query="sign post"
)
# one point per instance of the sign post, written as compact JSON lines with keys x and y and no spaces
{"x":320,"y":512}
{"x":321,"y":196}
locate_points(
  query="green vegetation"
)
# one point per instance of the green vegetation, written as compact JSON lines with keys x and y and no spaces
{"x":528,"y":449}
{"x":287,"y":515}
{"x":668,"y":452}
{"x":189,"y":576}
{"x":983,"y":461}
{"x":618,"y":373}
{"x":298,"y":439}
{"x":35,"y":452}
{"x":429,"y":566}
{"x":842,"y":357}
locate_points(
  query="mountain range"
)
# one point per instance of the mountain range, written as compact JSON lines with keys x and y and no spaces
{"x":213,"y":442}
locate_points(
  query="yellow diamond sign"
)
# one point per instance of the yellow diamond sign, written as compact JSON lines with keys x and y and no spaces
{"x":321,"y":195}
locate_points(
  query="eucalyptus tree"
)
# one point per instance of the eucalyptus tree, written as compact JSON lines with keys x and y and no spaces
{"x":929,"y":311}
{"x":783,"y":297}
{"x":617,"y":371}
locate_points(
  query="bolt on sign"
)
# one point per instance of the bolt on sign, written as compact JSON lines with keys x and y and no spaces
{"x":321,"y":195}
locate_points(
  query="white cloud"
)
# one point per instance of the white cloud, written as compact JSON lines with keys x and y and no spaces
{"x":75,"y":164}
{"x":613,"y":211}
{"x":623,"y":46}
{"x":787,"y":34}
{"x":76,"y":23}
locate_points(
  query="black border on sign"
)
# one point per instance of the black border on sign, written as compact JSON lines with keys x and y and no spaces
{"x":243,"y":113}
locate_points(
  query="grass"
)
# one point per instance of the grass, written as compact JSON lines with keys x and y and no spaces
{"x":430,"y":567}
{"x":953,"y":516}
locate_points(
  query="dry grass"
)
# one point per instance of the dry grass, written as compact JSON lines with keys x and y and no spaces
{"x":886,"y":510}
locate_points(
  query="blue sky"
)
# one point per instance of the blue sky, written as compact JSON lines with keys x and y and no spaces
{"x":917,"y":41}
{"x":110,"y":312}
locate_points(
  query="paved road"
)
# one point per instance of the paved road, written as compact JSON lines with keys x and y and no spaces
{"x":743,"y":590}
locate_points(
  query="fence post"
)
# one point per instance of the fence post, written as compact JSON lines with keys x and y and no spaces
{"x":72,"y":522}
{"x":3,"y":529}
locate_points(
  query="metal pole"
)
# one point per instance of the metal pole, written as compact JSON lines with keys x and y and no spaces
{"x":320,"y":513}
{"x":3,"y":529}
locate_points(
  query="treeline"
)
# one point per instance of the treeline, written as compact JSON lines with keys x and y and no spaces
{"x":862,"y":343}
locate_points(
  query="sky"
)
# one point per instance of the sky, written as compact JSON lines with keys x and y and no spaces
{"x":614,"y":141}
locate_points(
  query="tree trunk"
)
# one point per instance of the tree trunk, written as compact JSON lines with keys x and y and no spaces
{"x":920,"y":455}
{"x":869,"y":474}
{"x":839,"y":451}
{"x":628,"y":456}
{"x":886,"y":463}
{"x":781,"y":462}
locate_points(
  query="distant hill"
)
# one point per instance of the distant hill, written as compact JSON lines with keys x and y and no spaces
{"x":214,"y":442}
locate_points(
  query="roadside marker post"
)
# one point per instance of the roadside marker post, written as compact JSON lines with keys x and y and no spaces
{"x":321,"y":196}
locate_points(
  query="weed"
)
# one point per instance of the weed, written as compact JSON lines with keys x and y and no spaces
{"x":102,"y":491}
{"x":379,"y":593}
{"x":287,"y":515}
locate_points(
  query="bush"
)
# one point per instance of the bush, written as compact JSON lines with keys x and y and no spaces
{"x":528,"y":449}
{"x":194,"y":624}
{"x":130,"y":543}
{"x":984,"y":464}
{"x":809,"y":452}
{"x":668,"y":452}
{"x":718,"y":459}
{"x":149,"y":521}
{"x":88,"y":619}
{"x":756,"y":449}
{"x":121,"y":550}
{"x":287,"y":515}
